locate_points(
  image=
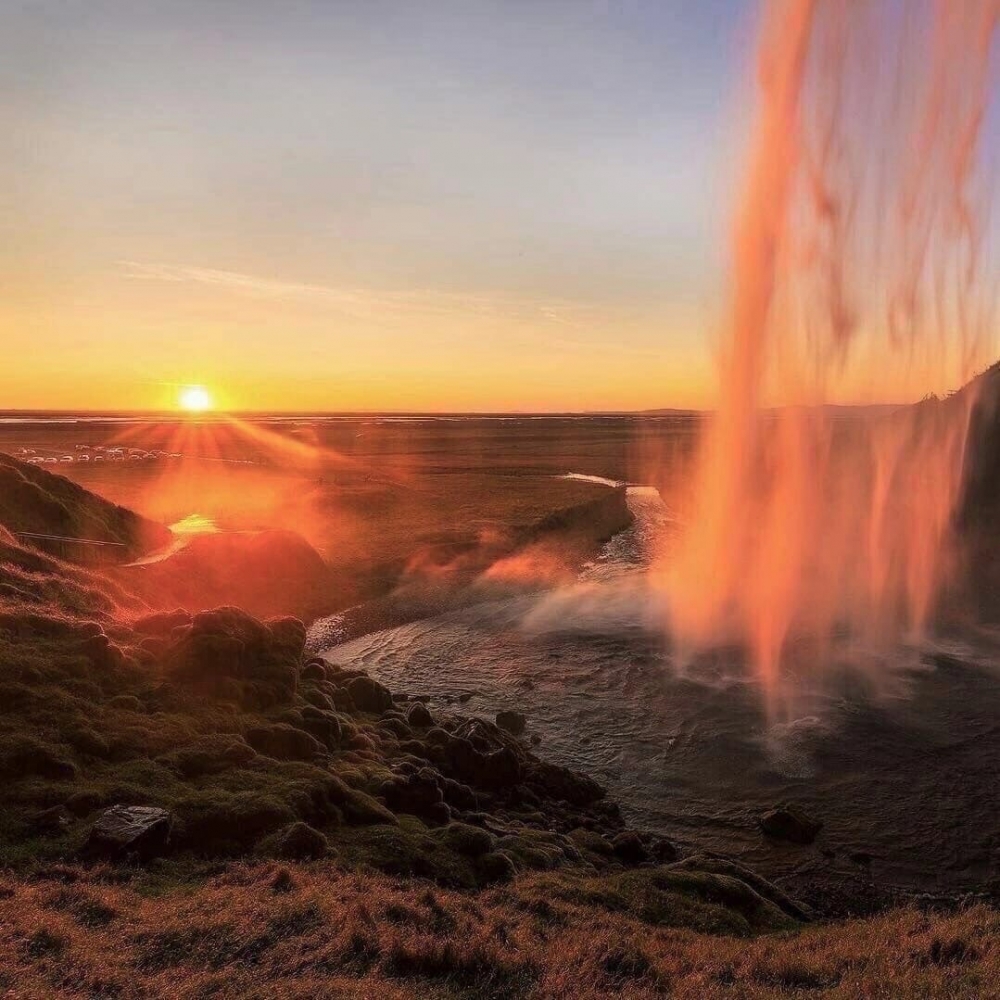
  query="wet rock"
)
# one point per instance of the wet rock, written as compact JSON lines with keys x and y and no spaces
{"x":368,"y":695}
{"x":663,"y":851}
{"x":791,"y":824}
{"x":123,"y":831}
{"x":284,"y":742}
{"x":419,"y":716}
{"x":561,"y":783}
{"x":629,"y":848}
{"x":301,"y":842}
{"x":512,"y":722}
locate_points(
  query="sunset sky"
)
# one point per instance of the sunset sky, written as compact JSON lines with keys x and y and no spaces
{"x":340,"y":205}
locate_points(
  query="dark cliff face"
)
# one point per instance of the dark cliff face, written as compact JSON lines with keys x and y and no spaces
{"x":56,"y":515}
{"x":980,"y":500}
{"x":586,"y":524}
{"x":977,"y":518}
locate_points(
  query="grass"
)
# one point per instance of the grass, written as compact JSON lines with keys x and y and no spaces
{"x":261,"y":930}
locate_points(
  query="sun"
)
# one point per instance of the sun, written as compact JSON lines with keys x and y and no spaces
{"x":194,"y":399}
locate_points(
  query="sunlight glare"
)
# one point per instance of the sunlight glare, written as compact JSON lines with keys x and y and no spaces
{"x":195,"y":399}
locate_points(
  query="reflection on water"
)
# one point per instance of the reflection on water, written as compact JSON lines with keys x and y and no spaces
{"x":195,"y":524}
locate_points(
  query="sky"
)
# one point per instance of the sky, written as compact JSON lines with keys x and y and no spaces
{"x":367,"y":205}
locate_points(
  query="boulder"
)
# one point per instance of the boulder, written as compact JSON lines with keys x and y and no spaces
{"x":284,"y":742}
{"x":629,"y":848}
{"x":322,"y":724}
{"x":314,"y":670}
{"x":663,"y":851}
{"x":368,"y":695}
{"x":227,"y":652}
{"x":419,"y":794}
{"x":512,"y":722}
{"x":301,"y":842}
{"x":419,"y":716}
{"x":555,"y":782}
{"x":495,"y":868}
{"x":791,"y":824}
{"x":124,"y":831}
{"x":471,"y":841}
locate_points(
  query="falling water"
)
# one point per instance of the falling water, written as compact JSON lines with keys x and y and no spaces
{"x":857,"y":276}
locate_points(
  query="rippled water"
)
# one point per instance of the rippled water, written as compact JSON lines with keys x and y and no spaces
{"x":904,"y":770}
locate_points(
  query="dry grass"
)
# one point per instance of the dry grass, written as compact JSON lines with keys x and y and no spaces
{"x":312,"y":931}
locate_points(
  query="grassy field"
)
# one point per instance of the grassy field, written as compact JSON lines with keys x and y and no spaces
{"x":263,"y":930}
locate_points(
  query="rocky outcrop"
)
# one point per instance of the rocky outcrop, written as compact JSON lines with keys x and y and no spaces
{"x":121,"y":832}
{"x":791,"y":824}
{"x":228,"y":653}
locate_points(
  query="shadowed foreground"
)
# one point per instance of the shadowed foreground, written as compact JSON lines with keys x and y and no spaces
{"x":265,"y":931}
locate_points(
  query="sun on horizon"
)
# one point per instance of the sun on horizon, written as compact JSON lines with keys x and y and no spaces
{"x":194,"y":399}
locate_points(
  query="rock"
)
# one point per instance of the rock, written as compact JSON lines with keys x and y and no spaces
{"x":314,"y":670}
{"x":468,"y":840}
{"x":495,"y":868}
{"x":398,"y":728}
{"x":322,"y":724}
{"x":301,"y":842}
{"x":494,"y":771}
{"x":227,"y":652}
{"x":121,"y":831}
{"x":629,"y":848}
{"x":459,"y":796}
{"x":419,"y":716}
{"x":557,"y":782}
{"x":284,"y":742}
{"x":663,"y":851}
{"x":318,"y":699}
{"x":788,"y":823}
{"x":512,"y":722}
{"x":419,"y":794}
{"x":368,"y":695}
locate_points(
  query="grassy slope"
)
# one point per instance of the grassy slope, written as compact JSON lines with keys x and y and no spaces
{"x":259,"y":931}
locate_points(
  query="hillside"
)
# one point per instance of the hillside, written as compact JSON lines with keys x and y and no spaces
{"x":57,"y":514}
{"x":190,"y":805}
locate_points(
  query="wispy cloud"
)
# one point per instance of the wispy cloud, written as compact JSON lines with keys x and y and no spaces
{"x":363,"y":303}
